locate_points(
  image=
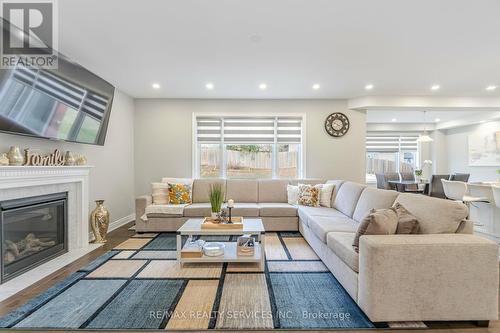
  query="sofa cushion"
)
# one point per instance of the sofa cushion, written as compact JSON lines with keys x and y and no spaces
{"x":201,"y":187}
{"x":321,"y":226}
{"x":272,"y":190}
{"x":245,"y":209}
{"x":311,"y":181}
{"x":372,"y":198}
{"x":277,"y":209}
{"x":341,"y":244}
{"x":305,"y":213}
{"x":201,"y":209}
{"x":435,"y":216}
{"x":338,"y":183}
{"x":347,"y":197}
{"x":242,"y":190}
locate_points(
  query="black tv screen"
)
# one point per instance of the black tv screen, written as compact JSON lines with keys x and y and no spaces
{"x":68,"y":103}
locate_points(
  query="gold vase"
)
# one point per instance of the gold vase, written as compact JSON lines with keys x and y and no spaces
{"x":15,"y":157}
{"x":99,"y":222}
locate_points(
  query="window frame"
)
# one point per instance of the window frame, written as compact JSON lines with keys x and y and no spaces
{"x":195,"y":167}
{"x":399,"y":152}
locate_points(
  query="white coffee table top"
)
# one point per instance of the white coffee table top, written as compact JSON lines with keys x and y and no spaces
{"x":250,"y":226}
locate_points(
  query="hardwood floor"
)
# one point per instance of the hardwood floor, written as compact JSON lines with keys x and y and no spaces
{"x":121,"y":234}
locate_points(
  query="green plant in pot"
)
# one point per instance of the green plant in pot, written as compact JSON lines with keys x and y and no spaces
{"x":216,"y":197}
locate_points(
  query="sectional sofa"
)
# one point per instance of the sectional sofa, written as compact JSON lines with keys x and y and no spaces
{"x":445,"y":273}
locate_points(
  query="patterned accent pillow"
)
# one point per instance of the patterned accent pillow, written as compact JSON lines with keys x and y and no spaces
{"x":179,"y":194}
{"x":308,"y":195}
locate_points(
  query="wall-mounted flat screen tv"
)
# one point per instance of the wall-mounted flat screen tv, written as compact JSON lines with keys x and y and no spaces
{"x":68,"y":103}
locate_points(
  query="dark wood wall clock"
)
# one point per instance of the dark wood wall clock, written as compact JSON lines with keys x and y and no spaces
{"x":337,"y":124}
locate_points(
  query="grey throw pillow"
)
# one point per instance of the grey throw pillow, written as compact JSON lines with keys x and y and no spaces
{"x":407,"y":223}
{"x":377,"y":222}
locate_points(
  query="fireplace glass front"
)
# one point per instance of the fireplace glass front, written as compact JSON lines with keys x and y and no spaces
{"x":33,"y":231}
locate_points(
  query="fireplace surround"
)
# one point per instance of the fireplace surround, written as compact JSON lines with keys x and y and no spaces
{"x":32,"y":232}
{"x":17,"y":182}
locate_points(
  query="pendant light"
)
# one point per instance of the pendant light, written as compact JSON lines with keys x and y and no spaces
{"x":425,"y":137}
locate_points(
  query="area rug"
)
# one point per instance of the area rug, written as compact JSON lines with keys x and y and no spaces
{"x":140,"y":285}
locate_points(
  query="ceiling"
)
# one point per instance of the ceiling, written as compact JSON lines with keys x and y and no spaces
{"x":417,"y":117}
{"x":402,"y":47}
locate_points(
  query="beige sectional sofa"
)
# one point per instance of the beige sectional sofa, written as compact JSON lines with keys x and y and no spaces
{"x":443,"y":273}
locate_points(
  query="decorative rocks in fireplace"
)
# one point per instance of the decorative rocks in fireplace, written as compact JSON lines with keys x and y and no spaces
{"x":33,"y":230}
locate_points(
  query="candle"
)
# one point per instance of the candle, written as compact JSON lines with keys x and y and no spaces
{"x":230,"y":203}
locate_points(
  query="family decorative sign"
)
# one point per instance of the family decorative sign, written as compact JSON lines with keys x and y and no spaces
{"x":54,"y":159}
{"x":30,"y":158}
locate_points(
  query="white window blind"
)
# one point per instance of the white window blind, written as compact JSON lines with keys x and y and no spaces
{"x":249,"y":129}
{"x":386,"y":142}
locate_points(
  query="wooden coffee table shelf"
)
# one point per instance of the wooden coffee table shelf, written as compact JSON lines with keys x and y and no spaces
{"x":252,"y":226}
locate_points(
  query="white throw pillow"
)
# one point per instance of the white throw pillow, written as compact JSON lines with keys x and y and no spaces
{"x":325,"y":195}
{"x":292,"y":194}
{"x":160,"y":193}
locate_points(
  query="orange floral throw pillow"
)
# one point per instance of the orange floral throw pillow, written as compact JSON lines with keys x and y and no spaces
{"x":179,"y":194}
{"x":308,"y":195}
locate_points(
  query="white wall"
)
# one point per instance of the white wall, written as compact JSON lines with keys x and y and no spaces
{"x":163,"y":136}
{"x":457,"y":148}
{"x":112,"y":179}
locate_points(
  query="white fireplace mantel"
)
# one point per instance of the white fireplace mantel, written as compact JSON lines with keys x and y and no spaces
{"x":28,"y":181}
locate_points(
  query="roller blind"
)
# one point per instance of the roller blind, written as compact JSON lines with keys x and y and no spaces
{"x":249,"y":129}
{"x":376,"y":142}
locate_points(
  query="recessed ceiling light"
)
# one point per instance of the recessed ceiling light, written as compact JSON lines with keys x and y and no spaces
{"x":262,"y":86}
{"x":209,"y":86}
{"x":156,"y":86}
{"x":316,"y":86}
{"x":491,"y":88}
{"x":394,"y":120}
{"x":437,"y":120}
{"x":369,"y":87}
{"x":435,"y":87}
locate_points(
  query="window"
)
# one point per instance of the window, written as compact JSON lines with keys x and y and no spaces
{"x":387,"y":152}
{"x":248,"y":147}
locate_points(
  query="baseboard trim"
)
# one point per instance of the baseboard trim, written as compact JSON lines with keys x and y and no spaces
{"x":116,"y":224}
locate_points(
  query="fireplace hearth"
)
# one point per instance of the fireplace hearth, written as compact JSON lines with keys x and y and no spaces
{"x":33,"y":230}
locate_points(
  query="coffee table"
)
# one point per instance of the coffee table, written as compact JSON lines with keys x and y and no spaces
{"x":253,"y":226}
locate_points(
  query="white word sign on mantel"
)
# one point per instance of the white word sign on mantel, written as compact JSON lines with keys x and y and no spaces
{"x":35,"y":159}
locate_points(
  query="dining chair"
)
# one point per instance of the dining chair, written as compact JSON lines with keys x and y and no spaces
{"x":461,"y":177}
{"x":436,"y":187}
{"x":381,"y":183}
{"x":409,"y":176}
{"x":496,"y":194}
{"x":391,"y":176}
{"x":458,"y":191}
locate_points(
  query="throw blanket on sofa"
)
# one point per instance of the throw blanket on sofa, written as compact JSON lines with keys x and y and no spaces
{"x":163,"y":209}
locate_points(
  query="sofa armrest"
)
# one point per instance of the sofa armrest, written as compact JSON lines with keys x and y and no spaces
{"x":428,"y":277}
{"x":140,"y":205}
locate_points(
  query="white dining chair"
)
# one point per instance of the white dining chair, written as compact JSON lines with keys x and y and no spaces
{"x":496,"y":194}
{"x":458,"y":191}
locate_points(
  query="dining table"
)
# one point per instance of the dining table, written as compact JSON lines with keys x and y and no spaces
{"x":410,"y":186}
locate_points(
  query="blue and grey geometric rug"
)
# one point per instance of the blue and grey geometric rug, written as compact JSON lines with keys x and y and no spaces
{"x":139,"y":285}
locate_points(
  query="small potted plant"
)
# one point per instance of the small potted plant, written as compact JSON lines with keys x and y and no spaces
{"x":216,"y":197}
{"x":418,"y":175}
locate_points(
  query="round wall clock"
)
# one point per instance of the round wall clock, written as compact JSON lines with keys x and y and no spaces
{"x":337,"y":124}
